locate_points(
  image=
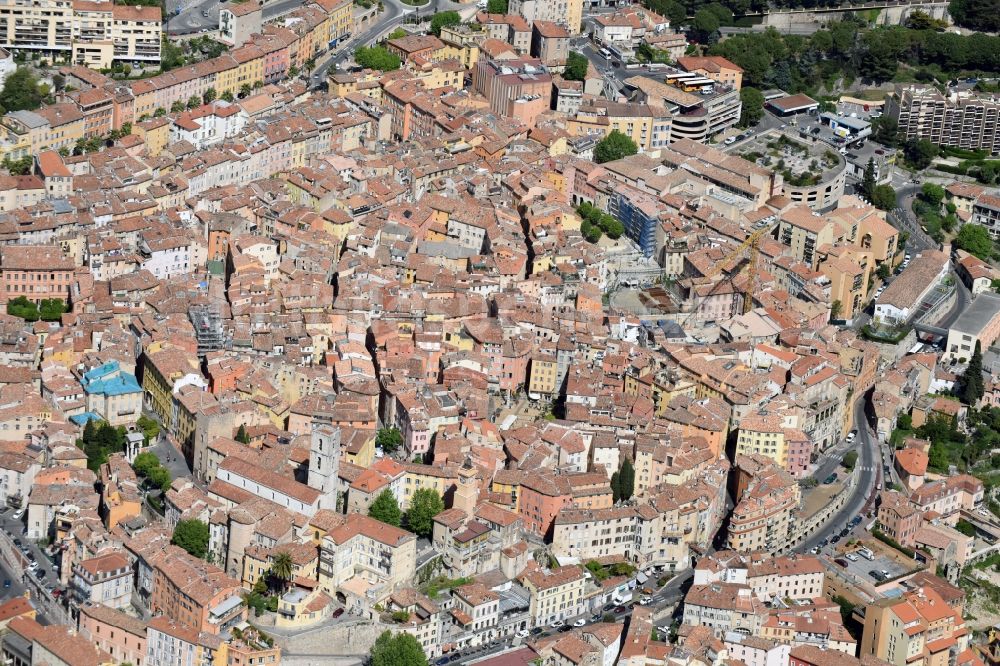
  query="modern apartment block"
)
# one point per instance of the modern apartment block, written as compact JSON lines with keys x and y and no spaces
{"x":94,"y":34}
{"x":568,"y":13}
{"x":961,"y":119}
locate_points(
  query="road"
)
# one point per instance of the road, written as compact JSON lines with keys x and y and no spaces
{"x":391,"y":17}
{"x":191,"y":16}
{"x":869,"y":467}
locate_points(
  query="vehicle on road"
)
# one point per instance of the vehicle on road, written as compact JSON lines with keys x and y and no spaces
{"x":524,"y":633}
{"x":830,"y":479}
{"x":17,"y":516}
{"x":556,"y":624}
{"x":852,"y":557}
{"x":645,"y":601}
{"x":6,"y":583}
{"x":580,"y":622}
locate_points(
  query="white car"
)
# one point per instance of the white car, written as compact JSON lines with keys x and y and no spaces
{"x":645,"y":601}
{"x":556,"y":624}
{"x":17,"y":516}
{"x":580,"y":622}
{"x":524,"y":633}
{"x":731,"y":140}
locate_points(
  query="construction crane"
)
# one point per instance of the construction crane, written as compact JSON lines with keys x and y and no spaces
{"x":751,"y":244}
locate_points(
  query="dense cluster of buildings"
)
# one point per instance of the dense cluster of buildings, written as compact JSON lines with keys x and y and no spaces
{"x":280,"y":278}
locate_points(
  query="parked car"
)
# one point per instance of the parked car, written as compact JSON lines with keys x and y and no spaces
{"x":841,"y":561}
{"x":441,"y":662}
{"x":524,"y":633}
{"x":17,"y":516}
{"x":337,"y":613}
{"x":556,"y":624}
{"x":852,"y":557}
{"x":6,"y":583}
{"x":580,"y":622}
{"x":830,"y":479}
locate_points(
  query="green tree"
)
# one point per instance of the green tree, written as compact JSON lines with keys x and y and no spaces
{"x":978,"y":15}
{"x":704,"y":25}
{"x":21,"y":91}
{"x":932,"y":194}
{"x":397,"y":34}
{"x":884,"y":197}
{"x":160,"y":477}
{"x":496,"y":6}
{"x":424,"y":505}
{"x":919,"y":153}
{"x":850,"y":459}
{"x":576,"y":67}
{"x":245,"y":90}
{"x":177,"y":107}
{"x":616,"y":487}
{"x":58,"y":82}
{"x":753,"y":106}
{"x":241,"y":435}
{"x":386,"y":509}
{"x":192,"y":536}
{"x":443,"y":19}
{"x":836,"y":308}
{"x":51,"y":309}
{"x":149,"y":427}
{"x":401,"y":649}
{"x":904,"y":421}
{"x":377,"y":57}
{"x":868,"y":183}
{"x":614,"y":147}
{"x":972,"y":378}
{"x":626,"y":475}
{"x":145,"y":462}
{"x":282,"y":568}
{"x":388,"y":439}
{"x":23,"y":308}
{"x":209,"y":96}
{"x":193,"y":102}
{"x":885,"y":130}
{"x":228,"y":97}
{"x":975,"y":239}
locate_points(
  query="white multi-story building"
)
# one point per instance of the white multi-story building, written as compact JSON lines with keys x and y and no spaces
{"x":95,"y":34}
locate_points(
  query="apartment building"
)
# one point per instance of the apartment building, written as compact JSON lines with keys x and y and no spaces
{"x":917,"y":629}
{"x":568,"y":13}
{"x":978,"y":324}
{"x":898,"y":518}
{"x":120,"y":635}
{"x":106,"y":579}
{"x":36,"y":272}
{"x":804,"y":232}
{"x":366,"y":560}
{"x":238,"y":21}
{"x":948,"y":497}
{"x":516,"y":88}
{"x":962,"y":119}
{"x":796,"y":577}
{"x":772,"y":435}
{"x":986,"y":212}
{"x":767,"y":505}
{"x":716,"y":68}
{"x":555,"y":595}
{"x":195,"y":594}
{"x":724,"y":607}
{"x":900,"y":300}
{"x":95,"y":34}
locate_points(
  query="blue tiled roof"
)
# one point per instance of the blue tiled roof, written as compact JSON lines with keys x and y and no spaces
{"x":81,"y":419}
{"x":108,"y":379}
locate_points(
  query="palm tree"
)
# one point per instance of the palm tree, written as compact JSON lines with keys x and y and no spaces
{"x":281,"y":567}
